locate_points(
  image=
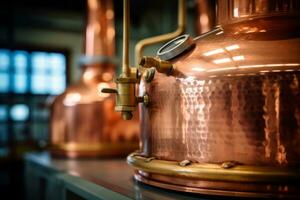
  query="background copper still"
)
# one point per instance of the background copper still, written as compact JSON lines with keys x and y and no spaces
{"x":234,"y":98}
{"x":83,"y":121}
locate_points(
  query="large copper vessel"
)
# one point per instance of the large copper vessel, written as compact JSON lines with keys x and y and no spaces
{"x":224,"y":119}
{"x":83,"y":121}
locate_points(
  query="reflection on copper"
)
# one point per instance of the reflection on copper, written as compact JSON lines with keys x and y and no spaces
{"x":221,"y":50}
{"x":205,"y":16}
{"x":238,"y":58}
{"x":244,"y":108}
{"x":71,"y":99}
{"x":222,"y":69}
{"x":198,"y":69}
{"x":247,"y":30}
{"x":220,"y":32}
{"x":83,"y":121}
{"x":235,"y":12}
{"x":88,"y":75}
{"x":106,"y":76}
{"x":100,"y":28}
{"x":222,"y":60}
{"x":232,"y":47}
{"x":270,"y":65}
{"x":213,"y":52}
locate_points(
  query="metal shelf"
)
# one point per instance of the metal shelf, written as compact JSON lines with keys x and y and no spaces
{"x":99,"y":179}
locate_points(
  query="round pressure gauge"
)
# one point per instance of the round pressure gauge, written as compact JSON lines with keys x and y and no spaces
{"x":175,"y":47}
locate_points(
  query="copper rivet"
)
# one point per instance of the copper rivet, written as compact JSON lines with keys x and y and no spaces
{"x":185,"y":163}
{"x":228,"y":164}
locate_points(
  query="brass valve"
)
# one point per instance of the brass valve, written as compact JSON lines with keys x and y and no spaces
{"x":161,"y":66}
{"x":126,"y":99}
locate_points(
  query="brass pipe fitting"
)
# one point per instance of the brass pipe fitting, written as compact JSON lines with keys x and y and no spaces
{"x":161,"y":66}
{"x":139,"y":47}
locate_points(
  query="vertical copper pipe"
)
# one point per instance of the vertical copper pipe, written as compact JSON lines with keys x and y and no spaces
{"x":126,"y":21}
{"x":100,"y":31}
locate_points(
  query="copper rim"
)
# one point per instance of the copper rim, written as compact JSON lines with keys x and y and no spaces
{"x":215,"y":172}
{"x":214,"y":179}
{"x":211,"y":191}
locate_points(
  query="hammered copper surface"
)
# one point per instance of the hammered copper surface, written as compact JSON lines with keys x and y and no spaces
{"x":83,"y":117}
{"x":235,"y":96}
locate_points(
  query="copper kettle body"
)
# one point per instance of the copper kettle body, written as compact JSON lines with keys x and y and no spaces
{"x":226,"y":121}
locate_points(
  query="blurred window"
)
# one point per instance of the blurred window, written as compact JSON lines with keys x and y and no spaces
{"x":4,"y":60}
{"x":4,"y":82}
{"x":27,"y":79}
{"x":19,"y":112}
{"x":37,"y":72}
{"x":3,"y":112}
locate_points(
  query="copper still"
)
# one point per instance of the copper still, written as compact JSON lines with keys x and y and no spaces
{"x":83,"y":121}
{"x":205,"y":15}
{"x":220,"y":113}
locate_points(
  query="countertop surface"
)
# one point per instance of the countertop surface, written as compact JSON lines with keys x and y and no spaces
{"x":113,"y":174}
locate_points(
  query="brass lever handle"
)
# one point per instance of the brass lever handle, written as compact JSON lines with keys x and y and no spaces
{"x":109,"y":90}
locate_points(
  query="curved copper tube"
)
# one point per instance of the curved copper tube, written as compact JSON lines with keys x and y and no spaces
{"x":139,"y":47}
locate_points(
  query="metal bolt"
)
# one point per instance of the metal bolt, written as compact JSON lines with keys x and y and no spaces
{"x":143,"y":99}
{"x":149,"y":74}
{"x":228,"y":164}
{"x":146,"y":100}
{"x":185,"y":163}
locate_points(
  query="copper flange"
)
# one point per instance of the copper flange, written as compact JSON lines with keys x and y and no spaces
{"x":224,"y":179}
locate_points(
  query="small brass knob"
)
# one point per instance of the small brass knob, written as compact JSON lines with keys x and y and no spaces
{"x":143,"y":99}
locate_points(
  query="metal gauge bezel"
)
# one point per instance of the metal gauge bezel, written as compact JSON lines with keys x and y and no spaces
{"x":178,"y":46}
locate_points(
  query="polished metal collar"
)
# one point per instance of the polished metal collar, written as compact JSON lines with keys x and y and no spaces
{"x":175,"y":47}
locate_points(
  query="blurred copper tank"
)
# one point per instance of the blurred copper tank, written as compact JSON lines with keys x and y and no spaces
{"x":206,"y":16}
{"x":226,"y":121}
{"x":83,"y":121}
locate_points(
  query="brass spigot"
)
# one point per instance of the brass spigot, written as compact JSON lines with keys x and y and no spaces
{"x":126,"y":99}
